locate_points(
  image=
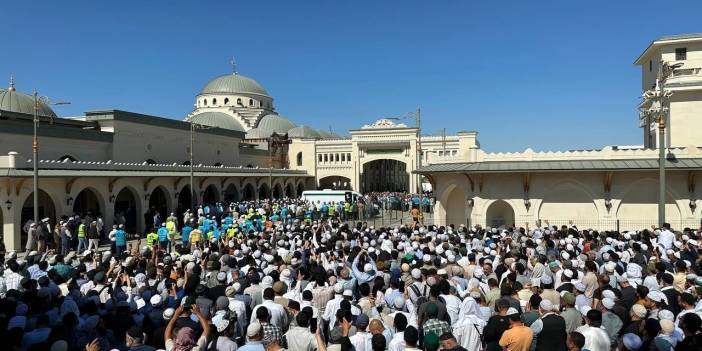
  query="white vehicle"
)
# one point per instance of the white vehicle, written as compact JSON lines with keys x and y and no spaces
{"x":328,"y":195}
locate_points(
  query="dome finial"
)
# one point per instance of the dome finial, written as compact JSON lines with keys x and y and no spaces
{"x":233,"y":63}
{"x":12,"y":83}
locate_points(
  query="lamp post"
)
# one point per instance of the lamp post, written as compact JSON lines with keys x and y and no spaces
{"x":657,"y":99}
{"x":35,"y":149}
{"x":193,"y":126}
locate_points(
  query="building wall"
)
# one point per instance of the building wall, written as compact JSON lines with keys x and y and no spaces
{"x":686,"y":118}
{"x":136,"y":142}
{"x":560,"y":198}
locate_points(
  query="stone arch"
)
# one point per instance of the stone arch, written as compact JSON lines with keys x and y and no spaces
{"x":454,"y":203}
{"x":289,"y":191}
{"x":499,"y":214}
{"x":300,"y":187}
{"x":231,"y":193}
{"x":127,"y":209}
{"x":210,"y":195}
{"x":88,"y":202}
{"x":278,"y":191}
{"x":264,"y":191}
{"x":248,"y":193}
{"x":159,"y":200}
{"x":185,"y":199}
{"x":638,"y":206}
{"x":569,"y":200}
{"x":47,"y":209}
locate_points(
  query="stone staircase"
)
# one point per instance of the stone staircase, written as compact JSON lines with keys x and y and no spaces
{"x":249,"y":116}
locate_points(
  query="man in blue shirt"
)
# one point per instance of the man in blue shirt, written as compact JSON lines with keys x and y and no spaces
{"x":163,"y":237}
{"x":185,"y":234}
{"x":120,"y":240}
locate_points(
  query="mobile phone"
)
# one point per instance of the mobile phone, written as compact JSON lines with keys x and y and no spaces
{"x":313,"y":325}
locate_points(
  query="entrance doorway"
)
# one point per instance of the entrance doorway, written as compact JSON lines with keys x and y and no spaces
{"x":499,"y":214}
{"x":87,"y":204}
{"x":47,"y":209}
{"x":126,"y":210}
{"x":385,"y":175}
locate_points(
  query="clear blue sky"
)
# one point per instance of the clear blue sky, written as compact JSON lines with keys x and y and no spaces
{"x":548,"y":75}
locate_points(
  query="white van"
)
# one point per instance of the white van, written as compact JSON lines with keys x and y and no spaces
{"x":328,"y":195}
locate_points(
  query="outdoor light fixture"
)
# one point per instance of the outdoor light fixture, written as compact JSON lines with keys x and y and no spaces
{"x":693,"y":205}
{"x":527,"y":204}
{"x":8,"y":204}
{"x":471,"y":202}
{"x":608,"y":203}
{"x":147,"y":196}
{"x":112,"y":198}
{"x":69,"y":201}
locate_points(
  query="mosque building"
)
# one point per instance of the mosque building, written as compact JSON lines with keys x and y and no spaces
{"x":117,"y":163}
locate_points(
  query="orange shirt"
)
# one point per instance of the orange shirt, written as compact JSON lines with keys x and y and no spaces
{"x":517,"y":338}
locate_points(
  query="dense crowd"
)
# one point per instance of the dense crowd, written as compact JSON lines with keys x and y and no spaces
{"x":287,"y":274}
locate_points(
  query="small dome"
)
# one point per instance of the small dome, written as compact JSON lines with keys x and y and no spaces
{"x":275,"y":123}
{"x":258,"y":133}
{"x":303,"y":132}
{"x":233,"y":84}
{"x":14,"y":101}
{"x":217,"y":119}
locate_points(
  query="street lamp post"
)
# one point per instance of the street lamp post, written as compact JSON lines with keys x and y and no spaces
{"x":193,"y":194}
{"x":658,"y":110}
{"x":35,"y":150}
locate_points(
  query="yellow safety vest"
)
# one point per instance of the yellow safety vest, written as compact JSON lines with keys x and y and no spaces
{"x":81,"y":231}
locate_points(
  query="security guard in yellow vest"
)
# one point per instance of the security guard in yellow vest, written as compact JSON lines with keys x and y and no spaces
{"x":82,"y":240}
{"x":151,"y":238}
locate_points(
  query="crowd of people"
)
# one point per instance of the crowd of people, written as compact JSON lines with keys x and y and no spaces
{"x":283,"y":274}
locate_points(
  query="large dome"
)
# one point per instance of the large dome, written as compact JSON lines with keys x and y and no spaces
{"x":233,"y":84}
{"x":217,"y":119}
{"x":275,"y":123}
{"x":14,"y":101}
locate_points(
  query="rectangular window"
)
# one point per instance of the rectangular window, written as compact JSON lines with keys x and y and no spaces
{"x":326,"y":158}
{"x":320,"y":157}
{"x":348,"y":157}
{"x":650,"y":65}
{"x":681,"y":54}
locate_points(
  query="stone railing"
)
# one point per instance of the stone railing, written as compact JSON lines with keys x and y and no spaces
{"x":15,"y":161}
{"x":608,"y":152}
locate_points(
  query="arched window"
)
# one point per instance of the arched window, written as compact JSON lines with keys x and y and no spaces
{"x":226,"y":101}
{"x":204,"y":102}
{"x":214,"y":101}
{"x":299,"y":158}
{"x":65,"y":158}
{"x":250,"y":102}
{"x":238,"y":102}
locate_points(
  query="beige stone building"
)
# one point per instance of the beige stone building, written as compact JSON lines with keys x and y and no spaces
{"x":127,"y":165}
{"x":609,"y":188}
